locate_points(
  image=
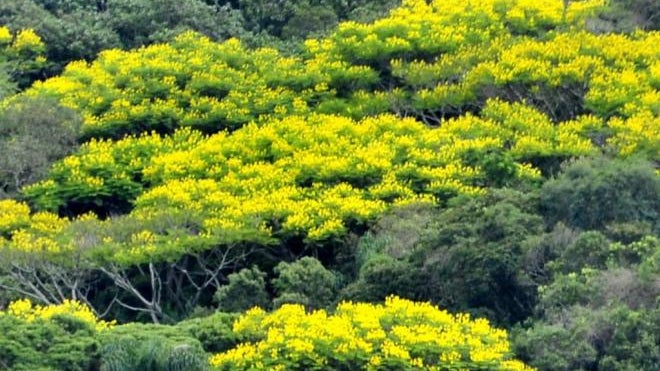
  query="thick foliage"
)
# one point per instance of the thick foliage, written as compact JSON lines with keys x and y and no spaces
{"x":316,"y":177}
{"x":305,"y":282}
{"x":34,"y":133}
{"x":246,"y":289}
{"x":591,"y":194}
{"x":61,"y":343}
{"x":21,"y":56}
{"x":598,"y":310}
{"x":49,"y":337}
{"x":467,"y":258}
{"x":137,"y":347}
{"x":214,"y":332}
{"x":202,"y":158}
{"x":400,"y":335}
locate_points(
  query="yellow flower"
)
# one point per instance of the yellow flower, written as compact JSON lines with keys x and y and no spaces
{"x":28,"y":40}
{"x":5,"y":35}
{"x":24,"y":309}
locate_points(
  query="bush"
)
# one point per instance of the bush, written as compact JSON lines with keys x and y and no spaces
{"x":61,"y":343}
{"x":138,"y":347}
{"x":214,"y":332}
{"x":612,"y":338}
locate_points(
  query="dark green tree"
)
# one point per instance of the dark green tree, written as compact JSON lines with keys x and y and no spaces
{"x":306,"y":282}
{"x":246,"y":289}
{"x":594,"y":193}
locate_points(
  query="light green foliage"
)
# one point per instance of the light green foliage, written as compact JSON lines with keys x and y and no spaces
{"x":62,"y":344}
{"x":185,"y":358}
{"x":138,"y":347}
{"x":116,"y":357}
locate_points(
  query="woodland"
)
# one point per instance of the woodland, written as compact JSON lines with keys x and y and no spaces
{"x":329,"y":185}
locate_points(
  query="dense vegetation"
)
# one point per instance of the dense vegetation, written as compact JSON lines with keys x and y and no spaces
{"x":497,"y":159}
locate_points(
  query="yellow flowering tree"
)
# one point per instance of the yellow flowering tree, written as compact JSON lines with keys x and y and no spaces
{"x":400,"y":334}
{"x":23,"y":52}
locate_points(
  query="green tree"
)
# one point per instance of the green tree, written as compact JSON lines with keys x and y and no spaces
{"x":34,"y":133}
{"x":144,"y":22}
{"x":246,"y":289}
{"x":306,"y":282}
{"x":468,"y":257}
{"x":597,"y":319}
{"x":471,"y":255}
{"x":68,"y":36}
{"x":593,"y":193}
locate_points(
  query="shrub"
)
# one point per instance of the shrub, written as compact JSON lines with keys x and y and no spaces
{"x":139,"y":347}
{"x":53,"y":337}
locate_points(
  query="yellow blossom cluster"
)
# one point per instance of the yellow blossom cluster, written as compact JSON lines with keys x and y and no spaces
{"x":400,"y":334}
{"x":23,"y":51}
{"x":26,"y":310}
{"x":445,"y":56}
{"x":106,"y":170}
{"x":13,"y":215}
{"x":24,"y":41}
{"x":5,"y":35}
{"x":29,"y":233}
{"x":190,"y":82}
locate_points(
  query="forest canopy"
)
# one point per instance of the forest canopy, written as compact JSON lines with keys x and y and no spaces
{"x":498,"y":159}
